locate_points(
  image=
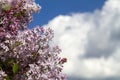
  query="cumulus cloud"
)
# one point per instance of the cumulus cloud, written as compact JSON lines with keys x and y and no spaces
{"x":91,"y":42}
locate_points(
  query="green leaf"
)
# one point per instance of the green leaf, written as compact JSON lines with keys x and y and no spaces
{"x":7,"y":78}
{"x":0,"y":68}
{"x":17,"y":43}
{"x":18,"y":14}
{"x":6,"y":7}
{"x":15,"y":68}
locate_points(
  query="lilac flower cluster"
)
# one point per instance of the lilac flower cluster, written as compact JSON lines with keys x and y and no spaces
{"x":16,"y":15}
{"x":26,"y":54}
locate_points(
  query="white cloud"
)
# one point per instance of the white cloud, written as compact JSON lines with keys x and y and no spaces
{"x":90,"y":41}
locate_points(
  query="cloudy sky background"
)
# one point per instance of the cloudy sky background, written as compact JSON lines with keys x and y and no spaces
{"x":90,"y":41}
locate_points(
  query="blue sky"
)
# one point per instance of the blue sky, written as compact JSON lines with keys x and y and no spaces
{"x":51,"y":9}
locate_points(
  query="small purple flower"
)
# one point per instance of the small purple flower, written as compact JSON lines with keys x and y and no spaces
{"x":26,"y":54}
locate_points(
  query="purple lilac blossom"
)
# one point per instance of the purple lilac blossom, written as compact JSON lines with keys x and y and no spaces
{"x":26,"y":54}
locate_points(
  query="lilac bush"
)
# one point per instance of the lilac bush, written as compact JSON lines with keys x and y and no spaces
{"x":26,"y":54}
